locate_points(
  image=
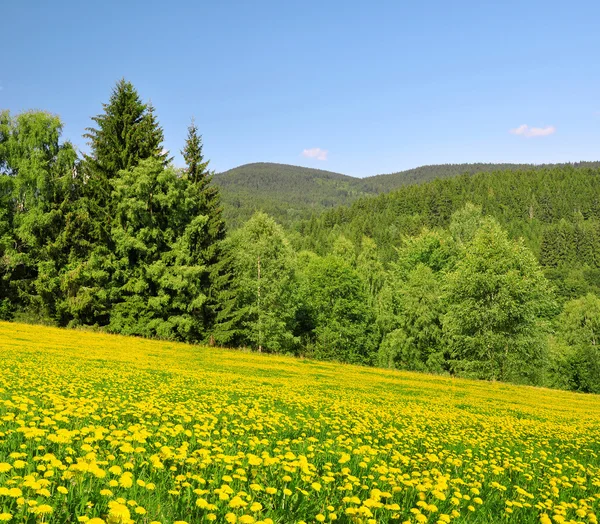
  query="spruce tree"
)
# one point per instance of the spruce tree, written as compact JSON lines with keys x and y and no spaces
{"x":207,"y":243}
{"x":197,"y":168}
{"x":126,"y":133}
{"x":157,"y":282}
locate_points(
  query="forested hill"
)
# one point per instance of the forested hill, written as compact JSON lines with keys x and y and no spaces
{"x":419,"y":175}
{"x":286,"y":192}
{"x":555,"y":209}
{"x":289,"y":193}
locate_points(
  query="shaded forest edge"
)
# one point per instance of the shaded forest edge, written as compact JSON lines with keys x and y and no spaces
{"x":491,"y":275}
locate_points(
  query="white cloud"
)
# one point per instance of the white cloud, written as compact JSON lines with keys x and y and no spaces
{"x":315,"y":152}
{"x":530,"y":132}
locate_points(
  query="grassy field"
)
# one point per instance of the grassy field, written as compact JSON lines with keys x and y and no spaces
{"x":97,"y":428}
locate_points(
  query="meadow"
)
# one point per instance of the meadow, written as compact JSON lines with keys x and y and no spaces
{"x":107,"y":429}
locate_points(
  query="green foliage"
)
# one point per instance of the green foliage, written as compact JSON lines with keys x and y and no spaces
{"x":262,"y":262}
{"x":526,"y":203}
{"x":497,"y":299}
{"x":37,"y":185}
{"x":435,"y":249}
{"x":120,"y":241}
{"x":465,"y":223}
{"x":288,"y":193}
{"x":371,"y":270}
{"x":413,"y":311}
{"x":335,"y":311}
{"x":293,"y":193}
{"x":206,"y":243}
{"x":157,"y":275}
{"x":416,"y":343}
{"x":579,"y":328}
{"x":126,"y":133}
{"x":429,"y":277}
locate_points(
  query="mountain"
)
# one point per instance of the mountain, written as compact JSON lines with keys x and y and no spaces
{"x":554,"y":209}
{"x":291,"y":193}
{"x":286,"y":192}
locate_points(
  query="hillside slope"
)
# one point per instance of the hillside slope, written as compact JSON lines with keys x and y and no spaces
{"x":556,"y":210}
{"x":290,"y":192}
{"x":181,"y":431}
{"x":285,"y":192}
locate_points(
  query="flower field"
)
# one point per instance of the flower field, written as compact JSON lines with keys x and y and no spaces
{"x":105,"y":429}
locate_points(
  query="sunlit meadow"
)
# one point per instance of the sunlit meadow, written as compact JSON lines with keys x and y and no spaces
{"x":106,"y":429}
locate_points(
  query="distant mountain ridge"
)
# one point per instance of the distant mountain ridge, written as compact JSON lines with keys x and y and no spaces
{"x":290,"y":193}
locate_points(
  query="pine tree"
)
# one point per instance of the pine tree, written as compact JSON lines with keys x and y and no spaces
{"x":126,"y":133}
{"x":157,"y":285}
{"x":197,"y":168}
{"x":207,"y":245}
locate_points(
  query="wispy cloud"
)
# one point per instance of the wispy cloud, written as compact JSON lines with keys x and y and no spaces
{"x":315,"y":152}
{"x":531,"y":132}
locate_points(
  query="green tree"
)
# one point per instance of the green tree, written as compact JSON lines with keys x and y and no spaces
{"x":414,"y":309}
{"x":38,"y":186}
{"x":465,"y":223}
{"x":497,"y":299}
{"x":126,"y":133}
{"x":157,"y":283}
{"x":337,"y":317}
{"x":435,"y":249}
{"x":371,"y":270}
{"x":263,"y":314}
{"x":579,"y":327}
{"x":416,"y":342}
{"x":208,"y":245}
{"x":344,"y":248}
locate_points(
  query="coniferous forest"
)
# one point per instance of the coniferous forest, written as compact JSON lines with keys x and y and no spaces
{"x":493,"y":275}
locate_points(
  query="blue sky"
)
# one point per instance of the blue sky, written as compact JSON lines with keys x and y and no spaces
{"x":356,"y":87}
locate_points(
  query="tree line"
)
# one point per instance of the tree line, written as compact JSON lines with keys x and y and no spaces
{"x":484,"y":276}
{"x":292,"y":193}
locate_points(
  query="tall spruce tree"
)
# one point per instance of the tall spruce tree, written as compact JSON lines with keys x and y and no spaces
{"x":126,"y":133}
{"x":207,"y":245}
{"x":157,"y":283}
